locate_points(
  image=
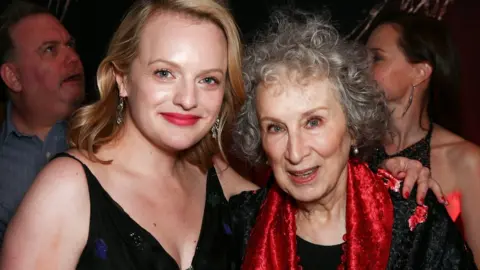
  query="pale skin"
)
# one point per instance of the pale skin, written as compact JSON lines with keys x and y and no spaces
{"x":165,"y":77}
{"x":455,"y":162}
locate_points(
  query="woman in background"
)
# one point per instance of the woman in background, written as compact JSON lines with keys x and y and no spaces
{"x":415,"y":63}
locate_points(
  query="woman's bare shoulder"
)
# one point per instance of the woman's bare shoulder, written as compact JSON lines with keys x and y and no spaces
{"x":462,"y":156}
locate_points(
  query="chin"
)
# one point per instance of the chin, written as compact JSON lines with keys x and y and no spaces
{"x":181,"y":143}
{"x":75,"y":98}
{"x":311,"y":191}
{"x":307,"y":195}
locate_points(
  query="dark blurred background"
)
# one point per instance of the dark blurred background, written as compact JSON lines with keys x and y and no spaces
{"x":92,"y":23}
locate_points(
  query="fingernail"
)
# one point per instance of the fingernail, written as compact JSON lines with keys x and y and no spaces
{"x":445,"y":203}
{"x":443,"y":199}
{"x":422,"y":201}
{"x":406,"y":194}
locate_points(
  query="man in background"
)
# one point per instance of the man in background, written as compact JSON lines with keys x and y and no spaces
{"x":44,"y":81}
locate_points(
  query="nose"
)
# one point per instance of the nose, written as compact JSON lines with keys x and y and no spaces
{"x":186,"y":96}
{"x":297,"y":149}
{"x":72,"y":57}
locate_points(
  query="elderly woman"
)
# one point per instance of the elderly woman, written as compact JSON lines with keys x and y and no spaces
{"x":312,"y":105}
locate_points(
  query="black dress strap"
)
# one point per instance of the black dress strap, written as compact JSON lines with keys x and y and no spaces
{"x":214,"y":186}
{"x":95,"y":250}
{"x":94,"y":187}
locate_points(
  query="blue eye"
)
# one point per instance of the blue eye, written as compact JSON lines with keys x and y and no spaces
{"x":163,"y":73}
{"x":211,"y":80}
{"x":312,"y":123}
{"x":274,"y":128}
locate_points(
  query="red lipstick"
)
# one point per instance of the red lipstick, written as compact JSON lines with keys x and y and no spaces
{"x":180,"y":119}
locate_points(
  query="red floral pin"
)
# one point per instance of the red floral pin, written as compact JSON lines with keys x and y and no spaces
{"x":418,"y":217}
{"x":391,"y":182}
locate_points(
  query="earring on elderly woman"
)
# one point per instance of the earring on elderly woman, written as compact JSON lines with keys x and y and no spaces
{"x":120,"y":107}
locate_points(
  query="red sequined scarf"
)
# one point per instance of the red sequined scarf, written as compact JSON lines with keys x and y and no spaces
{"x":369,"y":222}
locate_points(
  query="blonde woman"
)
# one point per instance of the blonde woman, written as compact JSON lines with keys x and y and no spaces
{"x":136,"y":192}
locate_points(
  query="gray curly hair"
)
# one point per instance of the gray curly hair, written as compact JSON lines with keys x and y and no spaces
{"x":309,"y":45}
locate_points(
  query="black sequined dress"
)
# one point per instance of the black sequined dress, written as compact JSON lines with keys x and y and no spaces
{"x":418,"y":151}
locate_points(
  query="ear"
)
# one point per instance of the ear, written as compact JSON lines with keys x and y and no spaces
{"x":353,"y":141}
{"x":121,"y":80}
{"x":10,"y":76}
{"x":422,"y":71}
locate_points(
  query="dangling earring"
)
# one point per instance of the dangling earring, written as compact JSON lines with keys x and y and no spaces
{"x":355,"y":150}
{"x":120,"y":108}
{"x":215,"y":128}
{"x":410,"y":99}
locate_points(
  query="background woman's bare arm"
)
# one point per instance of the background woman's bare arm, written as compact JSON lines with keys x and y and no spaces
{"x":468,"y":171}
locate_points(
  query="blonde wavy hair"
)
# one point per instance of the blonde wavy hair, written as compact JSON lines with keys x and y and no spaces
{"x":95,"y":125}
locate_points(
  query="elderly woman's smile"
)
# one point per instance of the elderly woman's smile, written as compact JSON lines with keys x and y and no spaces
{"x":303,"y":176}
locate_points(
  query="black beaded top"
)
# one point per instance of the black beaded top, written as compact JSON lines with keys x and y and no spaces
{"x":418,"y":151}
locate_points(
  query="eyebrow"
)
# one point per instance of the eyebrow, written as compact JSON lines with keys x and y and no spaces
{"x":314,"y":110}
{"x":269,"y":118}
{"x":159,"y":60}
{"x":49,"y":42}
{"x":304,"y":115}
{"x":55,"y":42}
